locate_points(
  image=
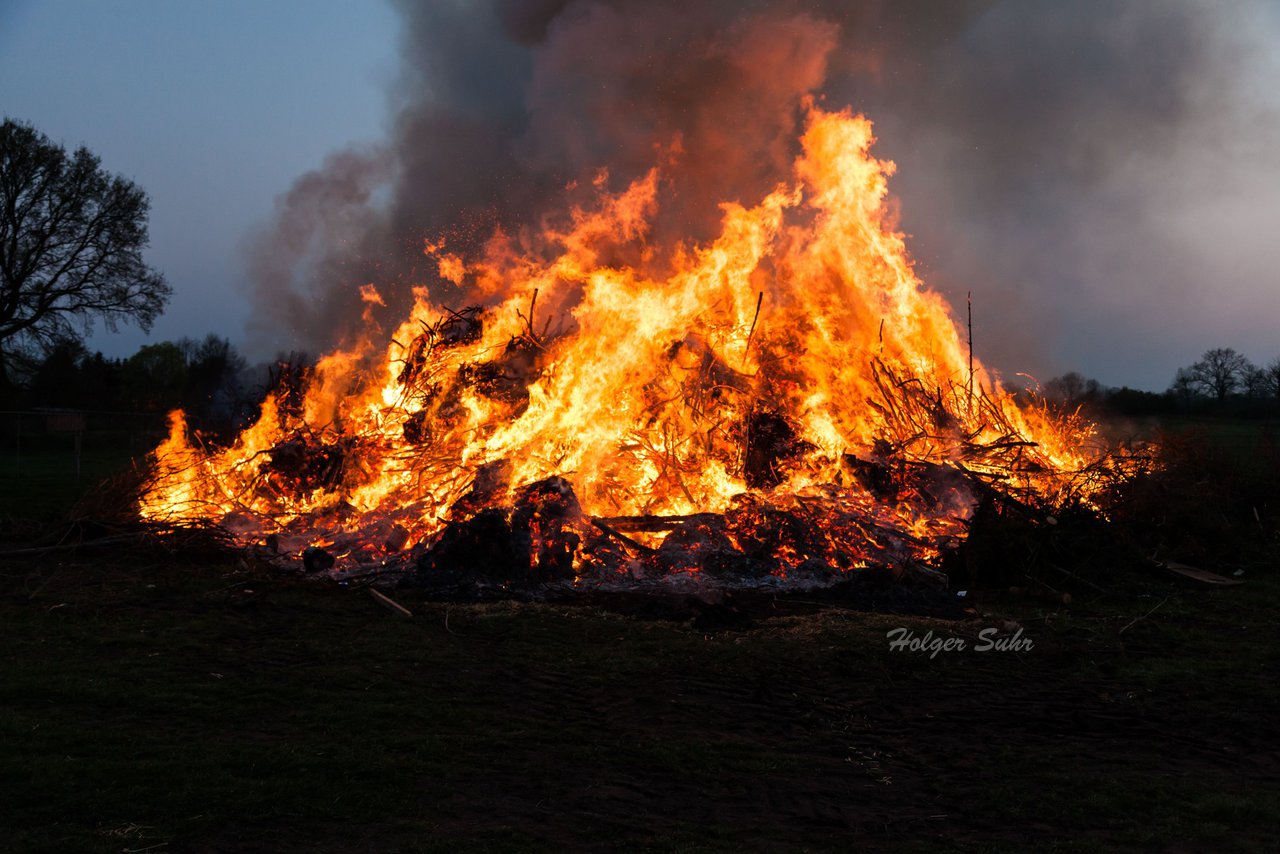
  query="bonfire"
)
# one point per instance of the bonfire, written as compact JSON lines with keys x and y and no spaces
{"x":783,"y":404}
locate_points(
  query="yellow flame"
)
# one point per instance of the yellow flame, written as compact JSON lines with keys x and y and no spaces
{"x":638,"y":379}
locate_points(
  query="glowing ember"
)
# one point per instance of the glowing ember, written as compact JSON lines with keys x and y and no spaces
{"x":789,"y":390}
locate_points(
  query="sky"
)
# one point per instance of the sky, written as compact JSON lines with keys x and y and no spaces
{"x":212,"y":108}
{"x":1105,"y":177}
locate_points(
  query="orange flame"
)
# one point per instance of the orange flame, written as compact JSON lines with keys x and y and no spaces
{"x":639,"y":373}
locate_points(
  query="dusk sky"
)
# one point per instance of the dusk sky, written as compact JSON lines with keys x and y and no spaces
{"x":1121,"y":250}
{"x":212,"y":108}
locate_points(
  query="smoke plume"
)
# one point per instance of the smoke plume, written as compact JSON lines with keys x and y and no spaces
{"x":1029,"y":136}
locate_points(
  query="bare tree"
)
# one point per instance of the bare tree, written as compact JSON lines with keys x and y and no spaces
{"x":71,"y":240}
{"x":1220,"y":372}
{"x":1256,"y":385}
{"x":1271,"y":377}
{"x":1184,"y":387}
{"x":1073,"y":389}
{"x":214,"y":376}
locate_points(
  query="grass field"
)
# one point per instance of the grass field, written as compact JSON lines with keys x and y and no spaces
{"x":154,"y":704}
{"x":164,"y":702}
{"x":1239,"y":437}
{"x":41,"y":482}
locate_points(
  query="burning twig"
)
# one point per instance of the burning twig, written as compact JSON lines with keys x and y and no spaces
{"x":969,"y":305}
{"x":530,"y":331}
{"x":746,"y":349}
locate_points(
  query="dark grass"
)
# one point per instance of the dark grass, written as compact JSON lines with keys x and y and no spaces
{"x":208,"y":708}
{"x":1241,"y":439}
{"x":39,"y":481}
{"x":189,"y":703}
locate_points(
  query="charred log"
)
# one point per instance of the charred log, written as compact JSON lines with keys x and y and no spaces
{"x":882,"y":481}
{"x":606,"y":556}
{"x":771,"y":443}
{"x":536,"y":539}
{"x":772,"y":538}
{"x":317,"y":560}
{"x":491,"y":482}
{"x":892,"y":479}
{"x":548,"y":522}
{"x":396,"y":539}
{"x":702,"y":547}
{"x":481,"y":548}
{"x":657,"y":523}
{"x":508,"y":377}
{"x":417,"y":428}
{"x":302,"y":464}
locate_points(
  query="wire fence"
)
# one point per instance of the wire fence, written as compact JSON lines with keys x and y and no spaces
{"x":73,"y":444}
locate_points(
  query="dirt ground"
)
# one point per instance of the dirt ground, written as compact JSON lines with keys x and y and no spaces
{"x":186,"y":703}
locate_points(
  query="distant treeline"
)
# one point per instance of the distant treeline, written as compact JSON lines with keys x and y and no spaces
{"x":207,"y":378}
{"x":221,"y":392}
{"x":1221,"y":383}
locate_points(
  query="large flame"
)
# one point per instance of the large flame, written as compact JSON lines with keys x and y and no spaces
{"x":657,"y":380}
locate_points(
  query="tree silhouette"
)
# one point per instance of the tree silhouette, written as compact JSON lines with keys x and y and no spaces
{"x":56,"y":382}
{"x":1073,"y":389}
{"x":155,"y":377}
{"x":1256,"y":384}
{"x":1220,"y":372}
{"x":71,"y":240}
{"x":1271,"y":378}
{"x":1184,"y":387}
{"x":213,"y":388}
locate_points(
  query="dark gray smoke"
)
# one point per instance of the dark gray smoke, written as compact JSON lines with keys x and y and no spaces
{"x":1032,"y":136}
{"x":1046,"y":152}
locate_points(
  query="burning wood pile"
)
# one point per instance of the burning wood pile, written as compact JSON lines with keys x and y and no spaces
{"x":786,"y":404}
